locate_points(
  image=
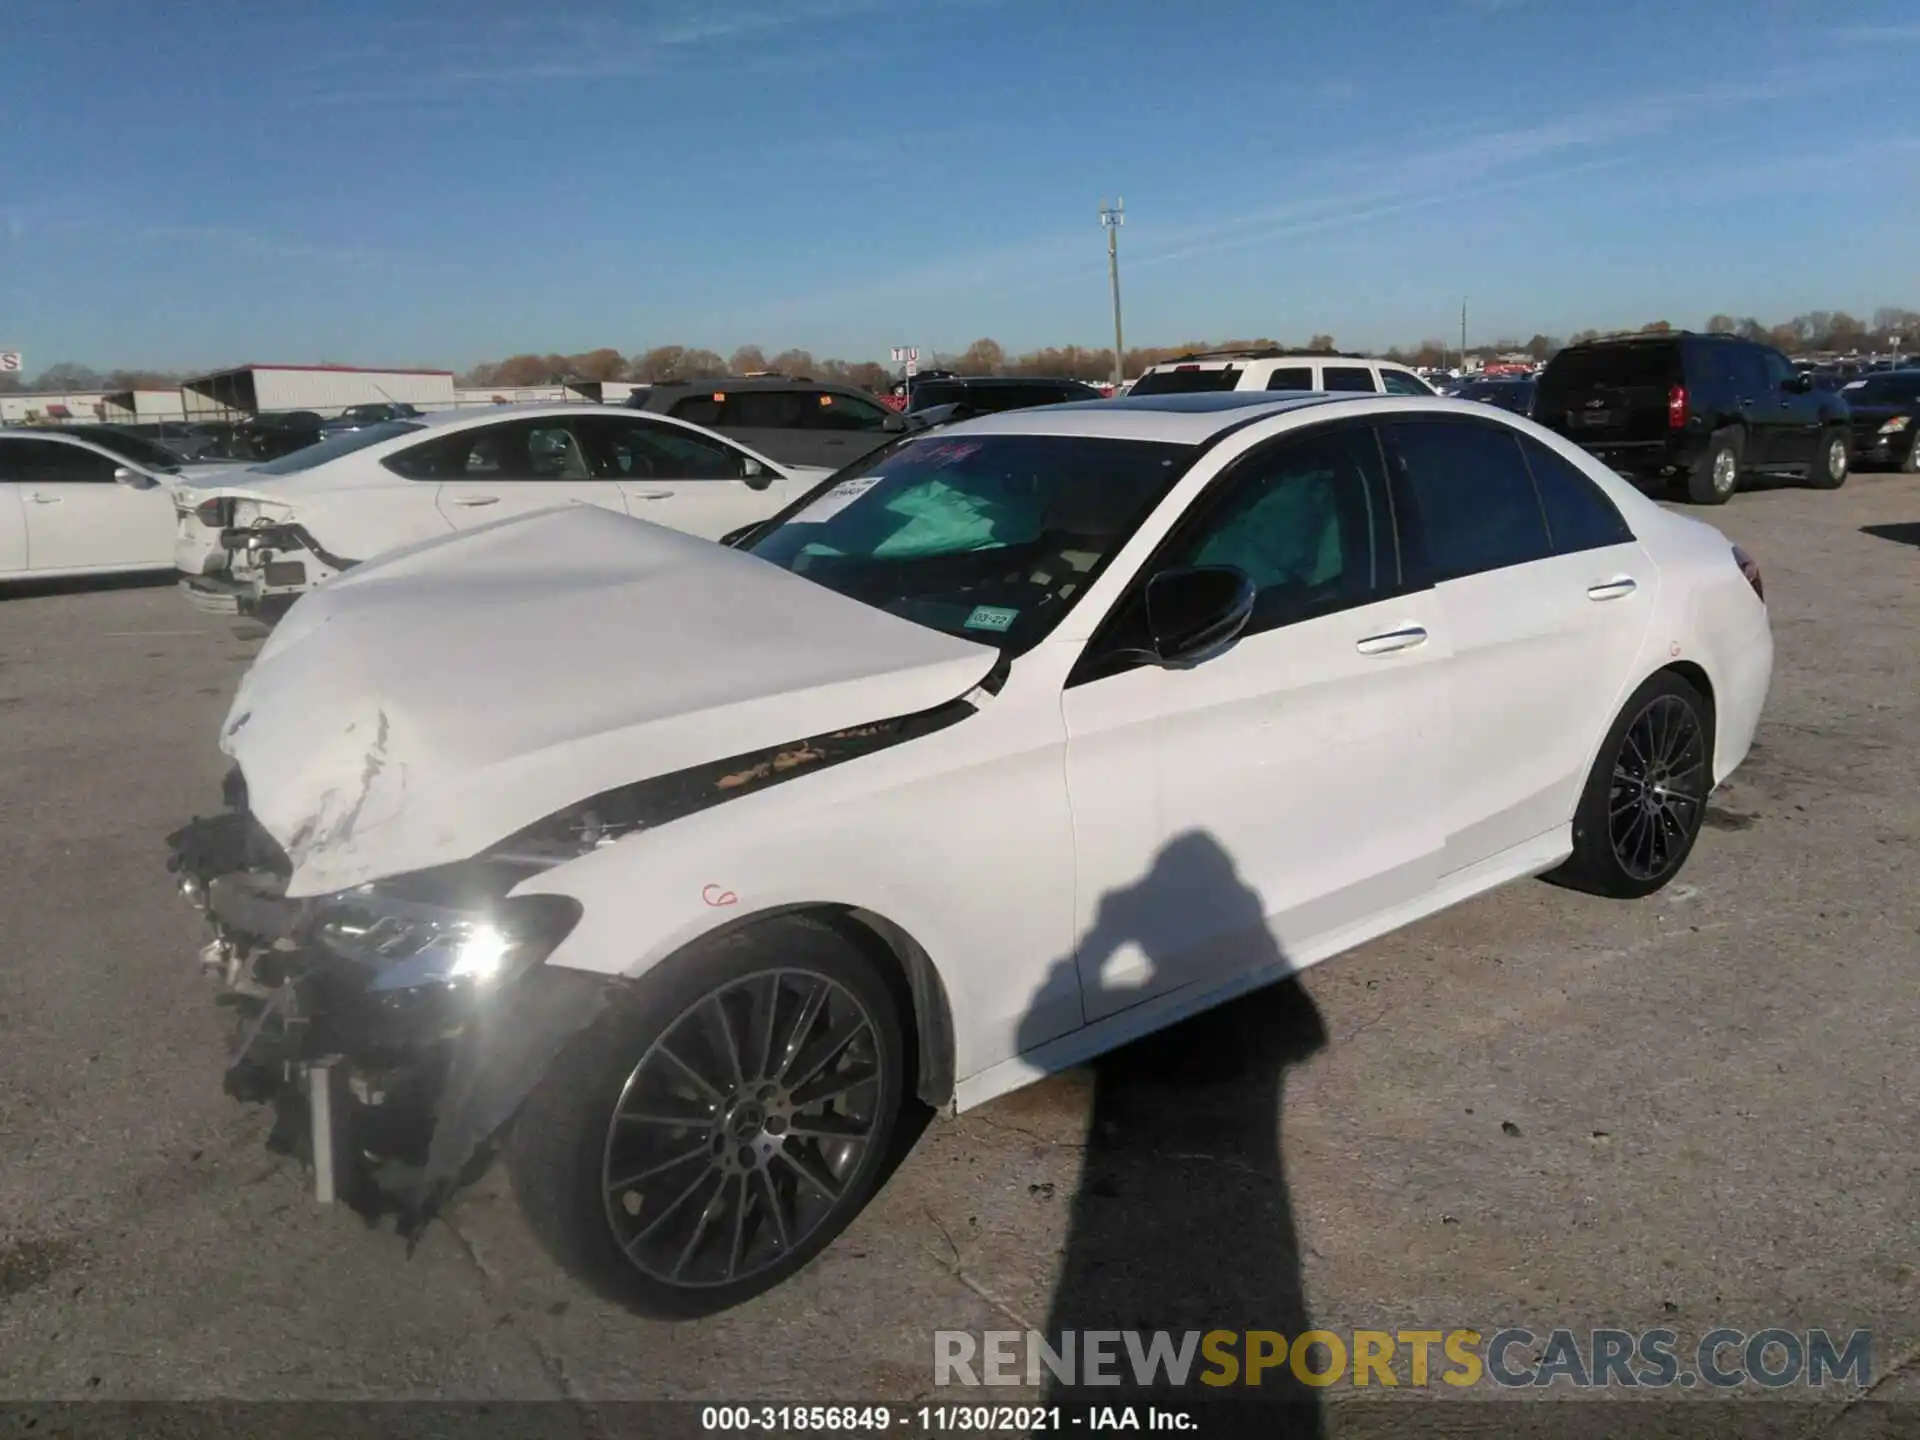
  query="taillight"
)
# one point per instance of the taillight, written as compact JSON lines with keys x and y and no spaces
{"x":1751,"y":571}
{"x":215,"y":513}
{"x":1677,"y":408}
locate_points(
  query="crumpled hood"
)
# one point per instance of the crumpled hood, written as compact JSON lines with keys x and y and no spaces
{"x":429,"y":703}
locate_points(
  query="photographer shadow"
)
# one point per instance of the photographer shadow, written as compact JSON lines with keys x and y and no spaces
{"x":1182,"y":1220}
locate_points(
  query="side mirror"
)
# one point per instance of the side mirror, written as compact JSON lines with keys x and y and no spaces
{"x":1797,"y":384}
{"x":1194,"y":611}
{"x":757,"y":476}
{"x":136,"y":479}
{"x":894,"y":424}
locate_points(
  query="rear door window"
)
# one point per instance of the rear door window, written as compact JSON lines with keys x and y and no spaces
{"x":763,"y":410}
{"x":1579,"y":514}
{"x":698,"y":409}
{"x":1347,"y":378}
{"x":1292,"y":377}
{"x":1470,"y":501}
{"x":1399,"y":382}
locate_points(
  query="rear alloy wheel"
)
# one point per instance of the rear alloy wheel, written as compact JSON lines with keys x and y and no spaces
{"x":1829,"y":470}
{"x":1647,"y":793}
{"x":698,"y":1147}
{"x":1716,"y":475}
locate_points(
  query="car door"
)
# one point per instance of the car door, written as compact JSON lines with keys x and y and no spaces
{"x":1541,"y":642}
{"x":15,"y":479}
{"x":683,"y":478}
{"x":78,"y":517}
{"x":1308,"y":753}
{"x":513,"y":467}
{"x":1795,"y":410}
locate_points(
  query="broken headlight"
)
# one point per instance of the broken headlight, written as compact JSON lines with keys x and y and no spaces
{"x":409,"y":943}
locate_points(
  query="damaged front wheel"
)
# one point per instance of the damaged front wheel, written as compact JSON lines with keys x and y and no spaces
{"x":703,"y":1142}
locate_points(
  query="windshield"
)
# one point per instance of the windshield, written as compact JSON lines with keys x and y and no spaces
{"x":1186,"y":380}
{"x":143,"y":453}
{"x":989,"y":537}
{"x":335,"y":446}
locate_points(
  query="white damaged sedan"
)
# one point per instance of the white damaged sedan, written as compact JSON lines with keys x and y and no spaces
{"x":680,"y":872}
{"x":262,"y":537}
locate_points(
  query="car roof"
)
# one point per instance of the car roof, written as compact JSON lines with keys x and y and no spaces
{"x":466,"y":414}
{"x":1275,"y":357}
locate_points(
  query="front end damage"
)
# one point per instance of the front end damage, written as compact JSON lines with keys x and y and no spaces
{"x":393,"y":1029}
{"x":396,"y":1027}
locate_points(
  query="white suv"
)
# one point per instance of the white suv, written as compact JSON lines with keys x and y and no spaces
{"x":1277,"y":370}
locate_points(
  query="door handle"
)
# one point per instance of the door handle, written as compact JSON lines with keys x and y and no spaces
{"x":37,"y":498}
{"x":472,"y":500}
{"x":650,"y":494}
{"x":1388,"y":641}
{"x":1617,"y":588}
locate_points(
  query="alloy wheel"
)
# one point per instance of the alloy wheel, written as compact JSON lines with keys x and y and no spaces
{"x":1726,"y":471}
{"x":1659,"y":788}
{"x":1836,"y":459}
{"x":739,"y":1131}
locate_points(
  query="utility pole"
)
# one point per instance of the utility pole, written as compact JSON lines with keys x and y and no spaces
{"x":1111,"y":220}
{"x":1463,"y":334}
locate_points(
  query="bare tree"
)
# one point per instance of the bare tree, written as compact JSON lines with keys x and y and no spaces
{"x":747,"y":359}
{"x":792,"y":362}
{"x":983,"y":357}
{"x":602,"y":364}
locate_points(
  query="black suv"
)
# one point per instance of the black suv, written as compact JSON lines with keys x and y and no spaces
{"x":793,"y":420}
{"x":1700,"y":410}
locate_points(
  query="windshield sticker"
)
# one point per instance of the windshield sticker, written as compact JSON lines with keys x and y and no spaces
{"x":998,"y":618}
{"x":946,"y":452}
{"x":837,"y":499}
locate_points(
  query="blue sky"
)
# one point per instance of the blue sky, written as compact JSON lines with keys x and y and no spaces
{"x":378,"y":181}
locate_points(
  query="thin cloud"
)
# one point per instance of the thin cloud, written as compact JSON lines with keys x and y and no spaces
{"x":1477,"y":162}
{"x":523,"y":51}
{"x":1879,"y":34}
{"x":252,"y":242}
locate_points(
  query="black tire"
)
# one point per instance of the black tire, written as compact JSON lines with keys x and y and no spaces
{"x":1910,"y":462}
{"x":1711,"y":482}
{"x":1828,"y":469}
{"x":564,"y":1141}
{"x":1659,"y":832}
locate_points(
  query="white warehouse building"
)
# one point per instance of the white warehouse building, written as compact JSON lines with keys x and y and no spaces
{"x":325,"y":389}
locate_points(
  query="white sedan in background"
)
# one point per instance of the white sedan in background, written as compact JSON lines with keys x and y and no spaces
{"x":86,"y":500}
{"x":266,"y":535}
{"x":687,"y":867}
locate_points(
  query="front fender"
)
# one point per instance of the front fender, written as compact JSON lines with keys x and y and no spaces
{"x":963,"y":845}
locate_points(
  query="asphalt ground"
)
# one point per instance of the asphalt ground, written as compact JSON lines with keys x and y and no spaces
{"x":1540,"y":1109}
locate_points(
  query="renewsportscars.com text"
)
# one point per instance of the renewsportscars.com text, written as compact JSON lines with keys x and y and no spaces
{"x":1511,"y":1358}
